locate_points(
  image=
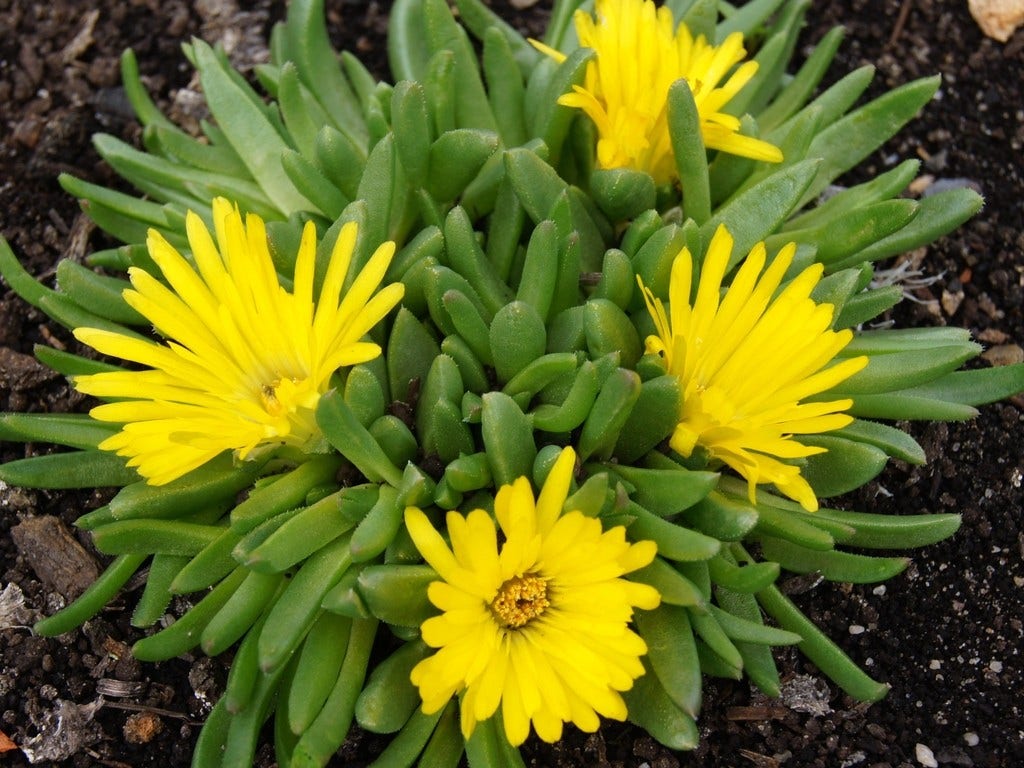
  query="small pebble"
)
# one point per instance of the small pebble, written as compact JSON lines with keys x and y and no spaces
{"x":972,"y":739}
{"x":856,"y":629}
{"x":935,"y":664}
{"x":925,"y":756}
{"x":879,"y":590}
{"x":996,"y":666}
{"x":998,"y":19}
{"x":1004,"y":354}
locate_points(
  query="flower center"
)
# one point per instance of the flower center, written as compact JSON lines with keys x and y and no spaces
{"x":520,"y":600}
{"x":268,"y":394}
{"x":287,"y":395}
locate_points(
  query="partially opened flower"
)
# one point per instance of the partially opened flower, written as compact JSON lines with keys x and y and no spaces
{"x":537,"y":624}
{"x":745,"y":362}
{"x":639,"y":55}
{"x":245,"y":360}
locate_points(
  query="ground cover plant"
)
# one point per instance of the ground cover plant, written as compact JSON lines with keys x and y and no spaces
{"x":547,"y":330}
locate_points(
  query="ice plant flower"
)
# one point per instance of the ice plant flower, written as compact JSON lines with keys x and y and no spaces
{"x":745,"y":362}
{"x":639,"y":55}
{"x":245,"y":360}
{"x":537,"y":624}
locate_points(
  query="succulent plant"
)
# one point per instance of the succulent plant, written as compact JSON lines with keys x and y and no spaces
{"x":293,"y":440}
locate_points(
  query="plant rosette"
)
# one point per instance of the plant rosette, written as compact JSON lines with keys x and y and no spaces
{"x":498,"y":398}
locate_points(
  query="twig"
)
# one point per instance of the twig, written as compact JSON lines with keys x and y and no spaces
{"x":901,"y":22}
{"x":155,"y":710}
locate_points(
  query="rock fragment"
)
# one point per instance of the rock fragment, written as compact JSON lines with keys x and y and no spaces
{"x":1004,"y":354}
{"x":924,"y":755}
{"x":998,"y":19}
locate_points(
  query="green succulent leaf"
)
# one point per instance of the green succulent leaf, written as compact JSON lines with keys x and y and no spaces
{"x":725,"y":518}
{"x":794,"y":95}
{"x":317,"y":668}
{"x":666,"y":491}
{"x":758,"y":663}
{"x":299,"y":604}
{"x":936,"y":215}
{"x":878,"y":189}
{"x":846,"y":142}
{"x":651,"y":708}
{"x":508,"y":438}
{"x":819,"y":649}
{"x":342,"y":429}
{"x":284,"y":493}
{"x":77,"y":469}
{"x":157,"y":594}
{"x":308,"y":45}
{"x":488,"y":747}
{"x":833,"y":565}
{"x":241,"y":612}
{"x":299,"y":536}
{"x":675,"y":542}
{"x":70,"y":429}
{"x":328,"y":730}
{"x":397,"y":594}
{"x":746,"y":580}
{"x":505,"y":87}
{"x":674,"y":588}
{"x":672,"y":654}
{"x":389,"y":697}
{"x":98,"y":294}
{"x":845,"y":466}
{"x":92,"y":601}
{"x":246,"y":125}
{"x":895,"y":442}
{"x":754,"y":214}
{"x":472,"y":110}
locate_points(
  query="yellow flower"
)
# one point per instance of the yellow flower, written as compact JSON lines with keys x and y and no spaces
{"x":537,"y":624}
{"x":638,"y":57}
{"x":245,"y":361}
{"x":744,"y":364}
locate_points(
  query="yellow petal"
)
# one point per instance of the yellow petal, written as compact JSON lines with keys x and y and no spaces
{"x":556,"y":489}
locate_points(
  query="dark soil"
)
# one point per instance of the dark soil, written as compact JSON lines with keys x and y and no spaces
{"x":946,"y":635}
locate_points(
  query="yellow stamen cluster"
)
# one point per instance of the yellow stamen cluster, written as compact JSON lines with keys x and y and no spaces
{"x":520,"y":600}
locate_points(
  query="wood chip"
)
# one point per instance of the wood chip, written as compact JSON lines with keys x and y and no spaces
{"x":761,"y":761}
{"x":78,"y":241}
{"x":6,"y":745}
{"x":755,"y":714}
{"x":59,"y":561}
{"x":19,"y":372}
{"x":82,"y":40}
